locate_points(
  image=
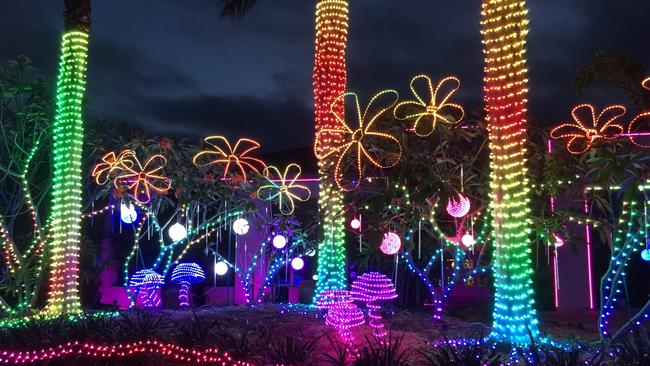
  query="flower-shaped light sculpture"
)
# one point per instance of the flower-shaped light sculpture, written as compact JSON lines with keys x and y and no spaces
{"x":221,"y":152}
{"x":283,"y":187}
{"x":589,"y":128}
{"x":110,"y":163}
{"x":427,"y":114}
{"x":640,"y":125}
{"x":142,"y":180}
{"x":356,"y":142}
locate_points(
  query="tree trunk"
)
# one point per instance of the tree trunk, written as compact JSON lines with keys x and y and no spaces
{"x":65,"y":215}
{"x":329,"y":82}
{"x":504,"y":32}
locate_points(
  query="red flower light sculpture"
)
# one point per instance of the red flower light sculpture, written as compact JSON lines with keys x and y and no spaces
{"x":434,"y":110}
{"x":372,"y":288}
{"x":640,"y":122}
{"x":355,"y":144}
{"x":223,"y":153}
{"x":142,"y":180}
{"x":589,"y":128}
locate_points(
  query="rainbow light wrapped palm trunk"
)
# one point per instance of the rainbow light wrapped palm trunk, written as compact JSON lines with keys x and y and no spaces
{"x":329,"y":81}
{"x":65,"y":215}
{"x":504,"y":27}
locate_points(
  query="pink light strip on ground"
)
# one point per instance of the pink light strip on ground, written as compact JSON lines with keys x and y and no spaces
{"x":556,"y":285}
{"x":588,"y":238}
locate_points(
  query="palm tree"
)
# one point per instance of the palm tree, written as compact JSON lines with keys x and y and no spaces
{"x":329,"y":80}
{"x":65,"y":215}
{"x":504,"y":28}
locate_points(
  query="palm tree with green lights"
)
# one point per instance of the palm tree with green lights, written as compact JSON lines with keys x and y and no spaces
{"x":68,"y":135}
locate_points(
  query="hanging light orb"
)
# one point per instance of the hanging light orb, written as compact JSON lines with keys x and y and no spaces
{"x":177,"y":232}
{"x":458,"y":207}
{"x":645,"y":255}
{"x":220,"y":268}
{"x":468,"y":240}
{"x":279,"y":241}
{"x":355,"y":224}
{"x":128,"y":214}
{"x":314,"y":277}
{"x":240,"y":226}
{"x":311,"y":252}
{"x":297,"y":264}
{"x":391,"y":243}
{"x":557,"y":240}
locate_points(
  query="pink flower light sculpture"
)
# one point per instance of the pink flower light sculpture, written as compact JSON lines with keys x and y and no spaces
{"x":372,"y":288}
{"x":391,"y":243}
{"x":458,"y":207}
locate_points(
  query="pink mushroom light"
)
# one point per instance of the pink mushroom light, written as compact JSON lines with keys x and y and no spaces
{"x":342,"y":314}
{"x":373,"y":288}
{"x":458,"y":207}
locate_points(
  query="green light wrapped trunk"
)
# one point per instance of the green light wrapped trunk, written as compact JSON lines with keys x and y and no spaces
{"x":68,"y":135}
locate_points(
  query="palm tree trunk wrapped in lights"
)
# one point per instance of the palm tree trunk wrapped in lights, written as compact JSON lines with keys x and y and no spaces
{"x":504,"y":28}
{"x":65,"y":215}
{"x":329,"y":81}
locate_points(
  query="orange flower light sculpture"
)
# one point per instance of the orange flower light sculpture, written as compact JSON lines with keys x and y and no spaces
{"x":589,"y":128}
{"x":356,"y":142}
{"x":109,"y":164}
{"x":283,"y":187}
{"x":142,"y":180}
{"x":223,"y":153}
{"x":435,"y":109}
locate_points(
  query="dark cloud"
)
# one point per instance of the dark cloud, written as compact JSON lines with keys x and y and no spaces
{"x":281,"y":124}
{"x":177,"y":68}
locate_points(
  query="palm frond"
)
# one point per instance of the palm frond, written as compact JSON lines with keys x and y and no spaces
{"x":236,"y":8}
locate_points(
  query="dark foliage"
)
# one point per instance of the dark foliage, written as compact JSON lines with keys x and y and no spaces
{"x":382,"y":352}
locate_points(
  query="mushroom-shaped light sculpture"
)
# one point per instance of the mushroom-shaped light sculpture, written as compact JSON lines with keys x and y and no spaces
{"x":342,"y":314}
{"x":186,"y":274}
{"x":373,"y":288}
{"x":146,"y":283}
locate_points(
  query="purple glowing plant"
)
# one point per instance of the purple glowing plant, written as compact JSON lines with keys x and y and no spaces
{"x":186,"y":274}
{"x":146,"y":283}
{"x":372,"y":288}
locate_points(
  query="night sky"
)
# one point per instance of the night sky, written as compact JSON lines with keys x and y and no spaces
{"x":176,"y":68}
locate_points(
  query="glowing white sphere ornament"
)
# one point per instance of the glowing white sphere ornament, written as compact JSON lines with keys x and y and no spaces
{"x":177,"y":232}
{"x":128,"y":214}
{"x":279,"y":241}
{"x":391,"y":243}
{"x":557,"y":240}
{"x":240,"y":226}
{"x":220,"y":268}
{"x":297,"y":264}
{"x":355,"y":224}
{"x":468,"y":240}
{"x":645,"y":255}
{"x":458,"y":207}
